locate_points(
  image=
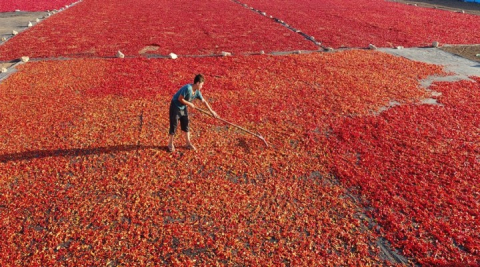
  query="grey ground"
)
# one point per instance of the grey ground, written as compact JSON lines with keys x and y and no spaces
{"x":460,"y":67}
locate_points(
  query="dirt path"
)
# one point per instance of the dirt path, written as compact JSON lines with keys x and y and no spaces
{"x":466,"y":51}
{"x":451,"y":5}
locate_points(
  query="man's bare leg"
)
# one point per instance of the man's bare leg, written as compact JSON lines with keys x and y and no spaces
{"x":171,"y":147}
{"x":189,"y":144}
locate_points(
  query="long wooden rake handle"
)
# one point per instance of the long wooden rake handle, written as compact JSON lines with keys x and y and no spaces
{"x":227,"y":122}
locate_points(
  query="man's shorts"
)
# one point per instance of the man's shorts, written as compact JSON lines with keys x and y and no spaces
{"x":175,"y":115}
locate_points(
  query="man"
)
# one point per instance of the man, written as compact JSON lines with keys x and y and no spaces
{"x":178,"y":109}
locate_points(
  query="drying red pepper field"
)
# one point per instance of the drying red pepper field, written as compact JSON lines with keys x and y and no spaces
{"x":37,"y":5}
{"x":360,"y":170}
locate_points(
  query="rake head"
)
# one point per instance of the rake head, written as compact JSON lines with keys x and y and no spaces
{"x":262,"y":138}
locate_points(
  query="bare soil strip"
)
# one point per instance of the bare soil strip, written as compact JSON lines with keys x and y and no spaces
{"x":17,"y":21}
{"x":466,"y":51}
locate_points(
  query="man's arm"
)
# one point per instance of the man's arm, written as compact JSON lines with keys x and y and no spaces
{"x":185,"y":102}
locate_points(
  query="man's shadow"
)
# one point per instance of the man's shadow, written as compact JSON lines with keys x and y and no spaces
{"x":38,"y":154}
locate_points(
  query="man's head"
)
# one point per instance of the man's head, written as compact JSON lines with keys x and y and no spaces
{"x":198,"y":81}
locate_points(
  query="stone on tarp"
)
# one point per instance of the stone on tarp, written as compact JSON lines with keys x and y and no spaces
{"x":435,"y":44}
{"x":14,"y":32}
{"x":24,"y":59}
{"x":29,"y":24}
{"x":372,"y":47}
{"x":226,"y":54}
{"x":3,"y":70}
{"x":120,"y":54}
{"x":173,"y":56}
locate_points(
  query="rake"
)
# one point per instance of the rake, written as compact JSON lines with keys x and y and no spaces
{"x":234,"y":125}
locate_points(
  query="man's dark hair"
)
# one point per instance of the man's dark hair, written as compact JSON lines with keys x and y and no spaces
{"x":199,"y":79}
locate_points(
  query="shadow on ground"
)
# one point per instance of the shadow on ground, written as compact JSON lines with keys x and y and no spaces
{"x":38,"y":154}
